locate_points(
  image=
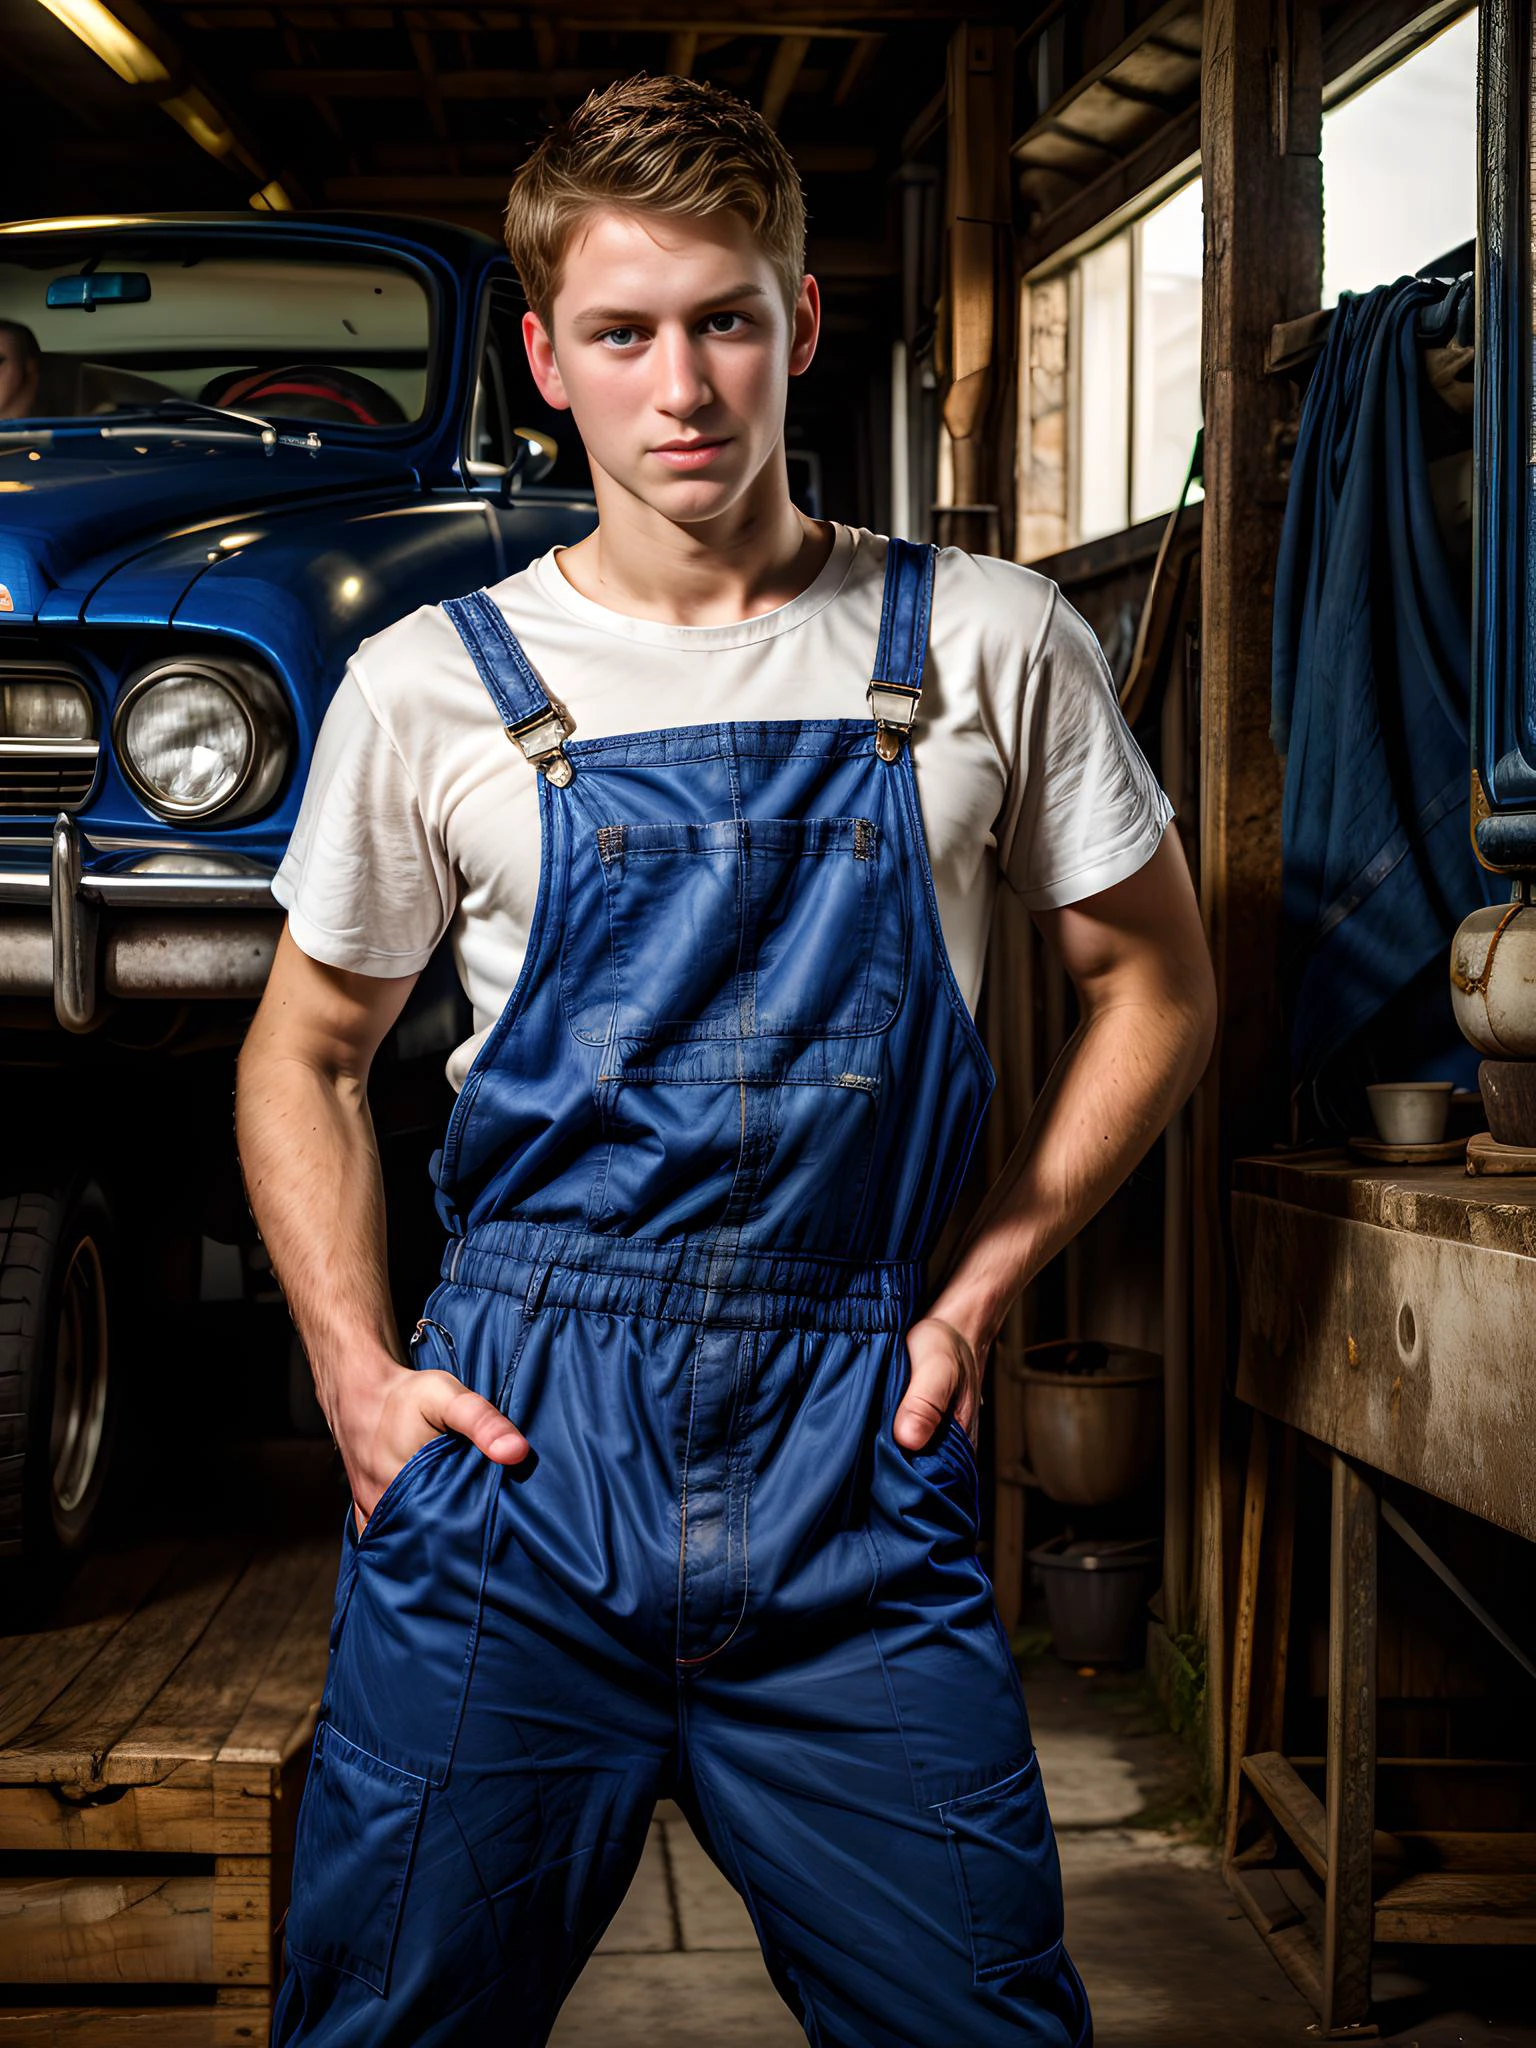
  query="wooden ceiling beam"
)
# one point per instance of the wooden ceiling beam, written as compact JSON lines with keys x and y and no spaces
{"x":1085,"y":213}
{"x":453,"y":85}
{"x":1156,"y":26}
{"x":796,"y":17}
{"x":682,"y":50}
{"x":1143,"y":96}
{"x":293,"y":43}
{"x":426,"y":59}
{"x":788,"y":57}
{"x":1081,"y":139}
{"x":417,"y":191}
{"x":856,"y":68}
{"x":196,"y":107}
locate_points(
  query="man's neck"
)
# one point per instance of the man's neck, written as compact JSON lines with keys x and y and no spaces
{"x":734,"y":568}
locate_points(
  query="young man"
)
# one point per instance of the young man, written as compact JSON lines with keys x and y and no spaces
{"x":678,"y":1496}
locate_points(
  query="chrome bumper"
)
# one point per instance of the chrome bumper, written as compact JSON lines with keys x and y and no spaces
{"x":129,"y":930}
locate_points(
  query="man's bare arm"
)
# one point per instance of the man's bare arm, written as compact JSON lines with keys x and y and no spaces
{"x":312,"y":1177}
{"x":1137,"y":956}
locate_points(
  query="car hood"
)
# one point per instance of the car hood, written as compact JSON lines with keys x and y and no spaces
{"x":73,"y":511}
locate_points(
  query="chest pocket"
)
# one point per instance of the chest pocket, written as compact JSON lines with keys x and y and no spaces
{"x":737,"y":929}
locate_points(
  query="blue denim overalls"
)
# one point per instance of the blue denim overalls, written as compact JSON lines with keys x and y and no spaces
{"x":690,"y":1183}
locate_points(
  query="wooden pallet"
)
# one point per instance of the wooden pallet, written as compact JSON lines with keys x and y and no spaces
{"x":153,"y":1745}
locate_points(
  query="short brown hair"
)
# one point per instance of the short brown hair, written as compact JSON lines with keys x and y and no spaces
{"x":663,"y":145}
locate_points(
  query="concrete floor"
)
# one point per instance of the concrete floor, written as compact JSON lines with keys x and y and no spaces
{"x":1167,"y":1956}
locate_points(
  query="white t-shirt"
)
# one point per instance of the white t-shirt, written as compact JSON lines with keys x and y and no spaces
{"x":419,"y":818}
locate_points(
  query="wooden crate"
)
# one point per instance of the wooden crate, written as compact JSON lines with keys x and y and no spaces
{"x":153,"y":1745}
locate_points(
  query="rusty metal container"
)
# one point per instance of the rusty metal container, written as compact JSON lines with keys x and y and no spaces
{"x":1093,"y":1418}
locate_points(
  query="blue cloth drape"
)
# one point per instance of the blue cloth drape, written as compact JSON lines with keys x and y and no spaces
{"x":1372,"y":660}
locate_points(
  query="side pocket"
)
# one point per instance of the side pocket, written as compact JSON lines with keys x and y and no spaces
{"x":1003,"y":1849}
{"x":355,"y":1833}
{"x":948,"y":1463}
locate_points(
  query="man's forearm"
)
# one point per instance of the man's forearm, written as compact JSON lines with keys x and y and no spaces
{"x":1119,"y":1079}
{"x":312,"y":1178}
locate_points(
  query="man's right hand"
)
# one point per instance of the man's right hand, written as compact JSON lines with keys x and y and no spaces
{"x":382,"y":1422}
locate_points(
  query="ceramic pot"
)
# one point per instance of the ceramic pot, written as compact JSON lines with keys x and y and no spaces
{"x":1493,"y":980}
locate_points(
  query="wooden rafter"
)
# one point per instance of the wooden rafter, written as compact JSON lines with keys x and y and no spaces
{"x":1153,"y":30}
{"x":682,"y":51}
{"x":854,"y":71}
{"x":421,"y":45}
{"x":186,"y":95}
{"x":479,"y":84}
{"x":298,"y":54}
{"x":803,"y":17}
{"x":782,"y":72}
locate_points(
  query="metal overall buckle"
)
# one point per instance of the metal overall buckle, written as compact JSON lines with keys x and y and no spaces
{"x":541,"y":739}
{"x":894,"y":706}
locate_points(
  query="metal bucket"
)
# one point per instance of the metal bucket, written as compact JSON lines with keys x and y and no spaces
{"x":1093,"y":1418}
{"x":1096,"y":1594}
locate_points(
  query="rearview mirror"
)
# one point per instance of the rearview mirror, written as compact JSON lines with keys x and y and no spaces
{"x":94,"y":288}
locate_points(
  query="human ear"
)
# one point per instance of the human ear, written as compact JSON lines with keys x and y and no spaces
{"x":541,"y":361}
{"x":804,"y":326}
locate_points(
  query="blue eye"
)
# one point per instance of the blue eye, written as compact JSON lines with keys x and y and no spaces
{"x":609,"y":332}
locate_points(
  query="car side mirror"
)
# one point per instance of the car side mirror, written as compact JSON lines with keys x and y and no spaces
{"x":534,"y":454}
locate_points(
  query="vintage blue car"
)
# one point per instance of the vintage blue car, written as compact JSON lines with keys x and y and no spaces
{"x":230,"y":447}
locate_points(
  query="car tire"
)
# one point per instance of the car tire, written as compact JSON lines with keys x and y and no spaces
{"x":59,"y":1376}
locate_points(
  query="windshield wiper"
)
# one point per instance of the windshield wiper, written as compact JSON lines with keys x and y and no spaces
{"x":182,"y":406}
{"x":144,"y":421}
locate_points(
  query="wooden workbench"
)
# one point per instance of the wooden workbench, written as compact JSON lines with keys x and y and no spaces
{"x":1389,"y":1314}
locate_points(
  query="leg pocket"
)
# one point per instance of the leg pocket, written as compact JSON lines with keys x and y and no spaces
{"x":355,"y":1833}
{"x":1003,"y":1849}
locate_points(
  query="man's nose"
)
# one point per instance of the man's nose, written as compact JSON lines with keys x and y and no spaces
{"x":684,"y":388}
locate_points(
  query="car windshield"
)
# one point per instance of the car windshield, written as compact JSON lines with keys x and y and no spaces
{"x":109,"y":324}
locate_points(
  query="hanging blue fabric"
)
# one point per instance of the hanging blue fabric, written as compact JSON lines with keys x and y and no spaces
{"x":1372,"y":656}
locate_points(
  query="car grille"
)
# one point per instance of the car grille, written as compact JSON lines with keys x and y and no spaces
{"x":45,"y":775}
{"x":42,"y":776}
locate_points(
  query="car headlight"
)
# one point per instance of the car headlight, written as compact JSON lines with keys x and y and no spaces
{"x":45,"y":708}
{"x":196,"y":737}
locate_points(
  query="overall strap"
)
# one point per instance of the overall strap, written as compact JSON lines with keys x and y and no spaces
{"x":897,"y":682}
{"x":533,"y":724}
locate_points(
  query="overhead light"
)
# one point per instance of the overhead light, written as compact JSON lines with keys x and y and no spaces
{"x":272,"y":199}
{"x":101,"y":31}
{"x":195,"y":112}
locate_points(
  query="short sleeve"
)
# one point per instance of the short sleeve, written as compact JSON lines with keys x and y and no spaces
{"x":364,"y":884}
{"x":1084,"y":807}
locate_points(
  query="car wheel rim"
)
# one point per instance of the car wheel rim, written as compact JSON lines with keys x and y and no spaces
{"x":80,"y":1378}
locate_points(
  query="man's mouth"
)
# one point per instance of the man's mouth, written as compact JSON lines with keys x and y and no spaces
{"x":691,"y":454}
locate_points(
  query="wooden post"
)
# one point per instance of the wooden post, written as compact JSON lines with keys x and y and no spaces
{"x":980,"y":289}
{"x":1262,"y":1623}
{"x":1261,"y":129}
{"x":1347,"y":1908}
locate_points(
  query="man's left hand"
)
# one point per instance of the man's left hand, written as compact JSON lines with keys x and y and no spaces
{"x":944,"y":1367}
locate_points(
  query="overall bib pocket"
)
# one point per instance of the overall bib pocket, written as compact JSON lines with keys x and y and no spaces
{"x":355,"y":1833}
{"x":743,"y":928}
{"x":1003,"y":1851}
